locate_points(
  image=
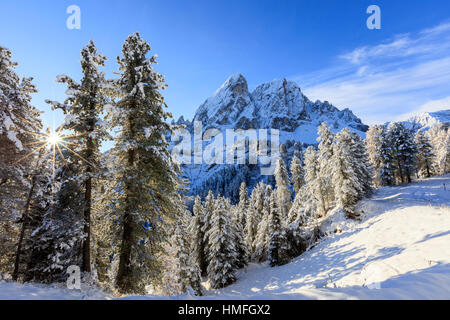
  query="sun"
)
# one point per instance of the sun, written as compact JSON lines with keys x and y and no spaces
{"x":54,"y":138}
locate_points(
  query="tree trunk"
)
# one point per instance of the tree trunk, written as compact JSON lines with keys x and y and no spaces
{"x":22,"y":231}
{"x":125,"y":269}
{"x":87,"y":226}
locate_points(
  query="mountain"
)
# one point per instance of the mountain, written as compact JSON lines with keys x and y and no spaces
{"x":426,"y":120}
{"x":278,"y":104}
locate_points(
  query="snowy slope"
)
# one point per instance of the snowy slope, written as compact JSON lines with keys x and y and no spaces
{"x":401,"y":250}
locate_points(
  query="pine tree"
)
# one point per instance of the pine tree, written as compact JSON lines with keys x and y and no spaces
{"x":146,"y":175}
{"x":243,"y":203}
{"x":362,"y":166}
{"x":183,"y":270}
{"x":324,"y":155}
{"x":425,"y":156}
{"x":277,"y":241}
{"x":283,"y":192}
{"x":313,"y":184}
{"x":221,"y":271}
{"x":208,"y":211}
{"x":403,"y":149}
{"x":37,"y":202}
{"x":83,"y":109}
{"x":440,"y":138}
{"x":261,"y":242}
{"x":57,"y":242}
{"x":239,"y":237}
{"x":19,"y":136}
{"x":254,"y":216}
{"x":198,"y":234}
{"x":297,"y":174}
{"x":380,"y":156}
{"x":348,"y":186}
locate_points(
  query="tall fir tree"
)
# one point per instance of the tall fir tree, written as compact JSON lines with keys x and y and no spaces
{"x":362,"y":164}
{"x":426,"y":160}
{"x":254,"y":216}
{"x":198,"y":235}
{"x":261,"y":242}
{"x":403,"y":149}
{"x":19,"y":134}
{"x":277,"y":240}
{"x":208,"y":210}
{"x":440,"y":138}
{"x":283,"y":191}
{"x":146,"y":176}
{"x":316,"y":204}
{"x":37,"y":201}
{"x":182,"y":271}
{"x":83,"y":108}
{"x":239,"y":237}
{"x":380,"y":156}
{"x":325,"y":157}
{"x":346,"y":180}
{"x":57,"y":242}
{"x":222,"y":253}
{"x":297,"y":174}
{"x":243,"y":203}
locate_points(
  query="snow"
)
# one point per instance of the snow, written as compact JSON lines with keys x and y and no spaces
{"x":400,"y":250}
{"x":427,"y":120}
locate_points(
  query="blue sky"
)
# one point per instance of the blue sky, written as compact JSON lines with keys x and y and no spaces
{"x":325,"y":46}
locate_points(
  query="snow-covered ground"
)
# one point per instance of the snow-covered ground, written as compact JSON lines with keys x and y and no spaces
{"x":401,"y":250}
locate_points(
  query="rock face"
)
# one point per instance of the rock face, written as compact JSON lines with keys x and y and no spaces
{"x":279,"y":104}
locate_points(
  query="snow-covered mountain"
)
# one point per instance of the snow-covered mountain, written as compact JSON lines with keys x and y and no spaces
{"x":426,"y":120}
{"x":279,"y":104}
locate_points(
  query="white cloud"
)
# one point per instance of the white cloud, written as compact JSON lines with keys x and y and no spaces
{"x":410,"y":73}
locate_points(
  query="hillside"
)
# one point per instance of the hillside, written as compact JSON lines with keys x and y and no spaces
{"x":398,"y":251}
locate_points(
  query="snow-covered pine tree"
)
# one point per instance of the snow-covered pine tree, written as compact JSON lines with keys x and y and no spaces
{"x":403,"y":149}
{"x":277,"y":240}
{"x":282,"y":190}
{"x":37,"y":202}
{"x":222,"y":254}
{"x":254,"y":216}
{"x":145,"y":173}
{"x":198,"y":235}
{"x":238,"y":236}
{"x":57,"y":242}
{"x":243,"y":204}
{"x":182,"y":271}
{"x":362,"y":165}
{"x":440,"y":138}
{"x":348,"y":186}
{"x":380,"y":156}
{"x":83,"y":108}
{"x":425,"y":156}
{"x":261,"y":242}
{"x":208,"y":209}
{"x":299,"y":213}
{"x":315,"y":205}
{"x":324,"y":155}
{"x":19,"y":132}
{"x":297,"y":174}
